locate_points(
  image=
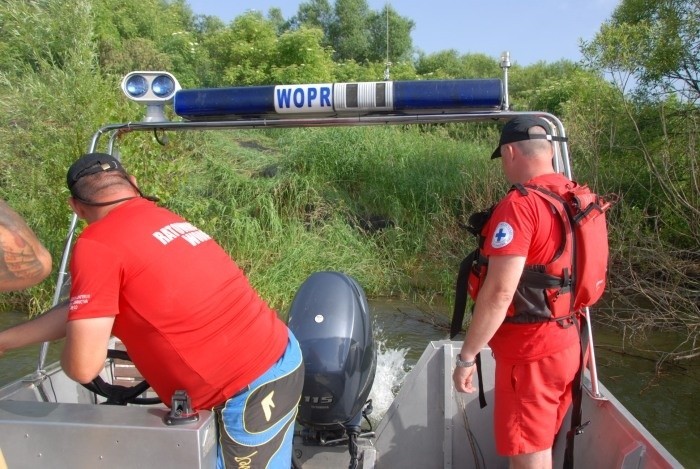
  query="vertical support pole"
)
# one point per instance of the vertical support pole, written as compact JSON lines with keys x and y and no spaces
{"x":595,"y":391}
{"x":449,"y":404}
{"x":60,"y":282}
{"x":505,"y":65}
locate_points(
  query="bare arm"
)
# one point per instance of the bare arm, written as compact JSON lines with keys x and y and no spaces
{"x":489,"y":312}
{"x":85,"y":350}
{"x":49,"y":326}
{"x":24,"y":261}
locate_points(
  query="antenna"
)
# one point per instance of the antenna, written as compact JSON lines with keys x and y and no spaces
{"x":387,"y":64}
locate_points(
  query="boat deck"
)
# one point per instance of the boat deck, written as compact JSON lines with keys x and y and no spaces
{"x":52,"y":421}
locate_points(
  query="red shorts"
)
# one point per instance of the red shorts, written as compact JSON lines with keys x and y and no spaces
{"x":531,"y":400}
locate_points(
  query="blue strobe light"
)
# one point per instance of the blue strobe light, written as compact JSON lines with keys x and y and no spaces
{"x":341,"y":99}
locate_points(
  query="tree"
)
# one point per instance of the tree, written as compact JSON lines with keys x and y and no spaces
{"x":655,"y":43}
{"x":357,"y":33}
{"x":313,"y":14}
{"x":547,"y":86}
{"x":300,"y":58}
{"x":205,"y":25}
{"x":275,"y":16}
{"x":350,"y":71}
{"x":651,"y":49}
{"x":147,"y":35}
{"x":242,"y":53}
{"x":348,"y":32}
{"x":450,"y":64}
{"x":397,"y":38}
{"x":251,"y":52}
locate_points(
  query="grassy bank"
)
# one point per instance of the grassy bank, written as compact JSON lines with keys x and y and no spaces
{"x":381,"y":204}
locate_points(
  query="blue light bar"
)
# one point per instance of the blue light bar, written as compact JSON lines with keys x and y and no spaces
{"x":341,"y":99}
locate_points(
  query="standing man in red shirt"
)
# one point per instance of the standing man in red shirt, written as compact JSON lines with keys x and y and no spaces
{"x":537,"y":358}
{"x":185,"y":311}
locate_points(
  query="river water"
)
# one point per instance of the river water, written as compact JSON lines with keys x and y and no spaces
{"x":665,"y":402}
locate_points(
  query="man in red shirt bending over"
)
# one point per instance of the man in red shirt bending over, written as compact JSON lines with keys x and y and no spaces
{"x":186,"y":313}
{"x":537,"y":357}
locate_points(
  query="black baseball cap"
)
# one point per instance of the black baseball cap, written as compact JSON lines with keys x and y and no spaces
{"x":517,"y":129}
{"x":92,"y":163}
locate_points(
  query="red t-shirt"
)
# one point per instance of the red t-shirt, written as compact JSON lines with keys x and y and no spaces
{"x":526,"y":225}
{"x":184,"y":310}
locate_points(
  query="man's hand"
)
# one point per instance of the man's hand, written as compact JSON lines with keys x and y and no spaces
{"x":463,"y":378}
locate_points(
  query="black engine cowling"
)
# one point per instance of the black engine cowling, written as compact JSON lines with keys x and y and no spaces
{"x":330,"y":317}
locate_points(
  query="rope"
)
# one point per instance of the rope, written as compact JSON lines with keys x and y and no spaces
{"x":476,"y":451}
{"x":352,"y":447}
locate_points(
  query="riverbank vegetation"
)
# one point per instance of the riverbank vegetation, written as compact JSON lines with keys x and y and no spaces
{"x":386,"y":205}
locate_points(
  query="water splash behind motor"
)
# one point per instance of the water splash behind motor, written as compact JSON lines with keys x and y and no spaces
{"x":391,"y":373}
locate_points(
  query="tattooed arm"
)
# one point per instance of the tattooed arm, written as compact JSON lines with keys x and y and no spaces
{"x":24,"y":261}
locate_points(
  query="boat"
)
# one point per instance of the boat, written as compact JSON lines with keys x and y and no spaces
{"x":48,"y":420}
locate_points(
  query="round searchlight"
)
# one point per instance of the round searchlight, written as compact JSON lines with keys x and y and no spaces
{"x":136,"y":86}
{"x":153,"y":89}
{"x":150,"y":87}
{"x":163,"y":86}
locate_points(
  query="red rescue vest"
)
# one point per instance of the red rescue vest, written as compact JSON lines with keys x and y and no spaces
{"x":576,"y":276}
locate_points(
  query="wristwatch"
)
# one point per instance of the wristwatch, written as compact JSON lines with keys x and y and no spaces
{"x":464,"y":364}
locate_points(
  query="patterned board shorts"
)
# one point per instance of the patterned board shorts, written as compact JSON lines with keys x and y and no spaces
{"x":256,"y":426}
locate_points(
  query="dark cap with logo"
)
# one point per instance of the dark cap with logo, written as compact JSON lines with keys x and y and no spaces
{"x":92,"y":163}
{"x":517,"y":129}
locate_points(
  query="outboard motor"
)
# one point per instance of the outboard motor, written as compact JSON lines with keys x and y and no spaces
{"x":330,"y":318}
